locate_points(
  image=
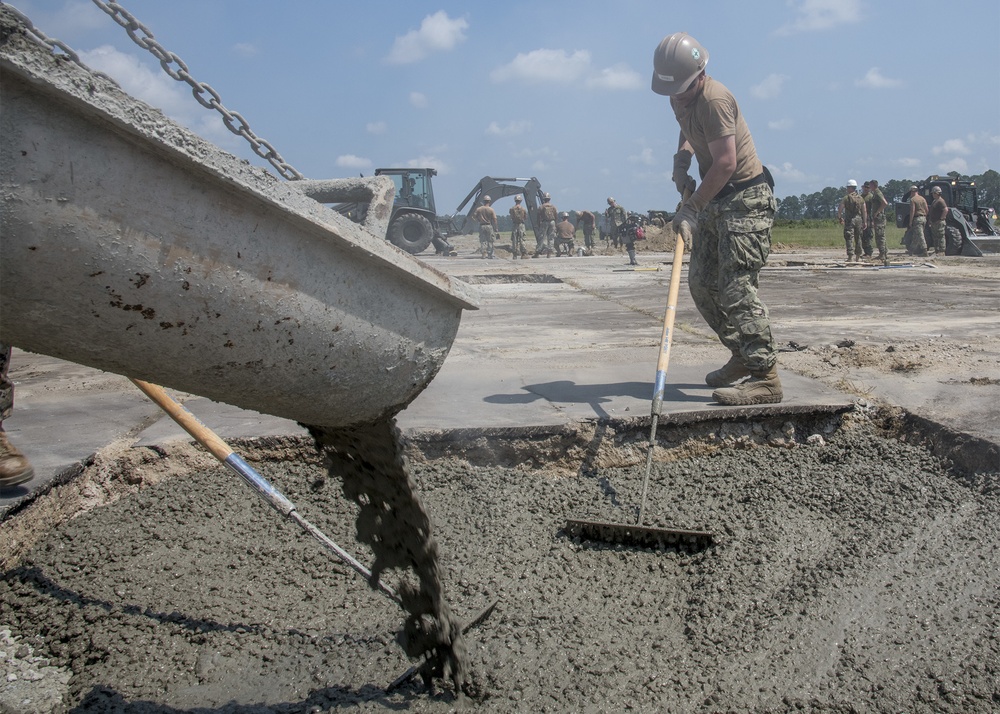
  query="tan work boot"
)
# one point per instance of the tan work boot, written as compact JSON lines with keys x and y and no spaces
{"x":731,"y":372}
{"x":761,"y":388}
{"x":14,"y":466}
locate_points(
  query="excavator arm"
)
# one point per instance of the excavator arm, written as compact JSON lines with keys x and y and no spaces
{"x":530,"y":188}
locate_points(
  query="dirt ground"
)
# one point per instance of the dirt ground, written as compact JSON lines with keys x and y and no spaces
{"x":852,"y":569}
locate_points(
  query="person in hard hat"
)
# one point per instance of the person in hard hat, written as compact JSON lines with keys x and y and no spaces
{"x":15,"y":468}
{"x":727,"y":219}
{"x":614,"y":218}
{"x":487,"y":218}
{"x":936,"y":216}
{"x":876,"y":203}
{"x":518,"y":215}
{"x":547,"y":215}
{"x":565,"y":236}
{"x":587,"y":221}
{"x":853,"y":216}
{"x":914,"y":239}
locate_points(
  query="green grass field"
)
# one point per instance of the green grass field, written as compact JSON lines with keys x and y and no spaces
{"x":822,"y":234}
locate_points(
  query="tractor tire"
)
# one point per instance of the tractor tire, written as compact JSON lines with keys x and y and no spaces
{"x":411,"y":232}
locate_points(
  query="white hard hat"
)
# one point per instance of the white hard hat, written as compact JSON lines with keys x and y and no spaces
{"x":517,"y":198}
{"x":936,"y":189}
{"x":852,"y":182}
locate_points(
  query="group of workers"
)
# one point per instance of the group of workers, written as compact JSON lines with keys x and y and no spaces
{"x":556,"y":233}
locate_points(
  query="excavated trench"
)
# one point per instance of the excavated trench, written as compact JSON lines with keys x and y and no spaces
{"x":854,"y":569}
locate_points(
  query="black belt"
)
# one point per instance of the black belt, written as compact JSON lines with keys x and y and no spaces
{"x":731,"y":188}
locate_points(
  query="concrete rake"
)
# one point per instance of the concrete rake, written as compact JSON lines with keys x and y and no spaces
{"x":638,"y":534}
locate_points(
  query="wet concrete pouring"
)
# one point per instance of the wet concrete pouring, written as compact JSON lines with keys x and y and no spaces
{"x":852,"y":571}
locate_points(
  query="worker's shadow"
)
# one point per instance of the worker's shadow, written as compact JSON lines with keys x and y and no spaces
{"x":596,"y":395}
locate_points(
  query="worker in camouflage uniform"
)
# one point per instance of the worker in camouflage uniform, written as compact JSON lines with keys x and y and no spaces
{"x":487,"y":218}
{"x":547,"y":214}
{"x":565,"y":236}
{"x":587,"y":221}
{"x":15,"y":468}
{"x":866,"y":234}
{"x":727,"y":220}
{"x":518,"y":215}
{"x":614,"y":218}
{"x":876,"y":218}
{"x":914,"y":239}
{"x":936,"y":216}
{"x":852,"y":215}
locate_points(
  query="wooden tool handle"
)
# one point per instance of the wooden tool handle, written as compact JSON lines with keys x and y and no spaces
{"x":201,"y":433}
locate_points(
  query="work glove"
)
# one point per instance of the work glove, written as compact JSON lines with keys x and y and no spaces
{"x":682,"y":163}
{"x":686,"y":220}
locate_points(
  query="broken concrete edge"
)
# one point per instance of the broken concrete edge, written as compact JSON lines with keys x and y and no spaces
{"x":576,"y":445}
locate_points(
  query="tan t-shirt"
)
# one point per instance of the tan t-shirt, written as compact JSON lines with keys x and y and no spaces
{"x":517,"y":213}
{"x":485,"y":214}
{"x":919,"y":205}
{"x":714,"y":115}
{"x":547,"y":212}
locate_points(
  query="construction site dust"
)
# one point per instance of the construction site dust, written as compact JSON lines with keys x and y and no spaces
{"x":852,"y":571}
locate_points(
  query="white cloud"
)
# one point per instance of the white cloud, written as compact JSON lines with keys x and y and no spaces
{"x":874,"y":79}
{"x":621,"y":76}
{"x":245,"y":49}
{"x":770,"y":87}
{"x":350,"y":161}
{"x":786,"y":172}
{"x":545,"y":65}
{"x":907,"y":162}
{"x":643,"y":157}
{"x":512,"y":128}
{"x":429,"y":161}
{"x":376,"y":127}
{"x":157,"y":89}
{"x":780,"y":124}
{"x":437,"y":33}
{"x":814,"y":15}
{"x":418,"y":100}
{"x":951,"y":146}
{"x":956,"y":164}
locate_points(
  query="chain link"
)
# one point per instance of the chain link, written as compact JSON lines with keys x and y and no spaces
{"x":51,"y":44}
{"x":144,"y":38}
{"x":141,"y":35}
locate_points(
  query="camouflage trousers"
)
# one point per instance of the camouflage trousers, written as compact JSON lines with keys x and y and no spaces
{"x":547,"y":237}
{"x":878,"y":229}
{"x":938,"y":236}
{"x":731,"y":245}
{"x":588,"y":237}
{"x":517,"y":239}
{"x":853,"y":237}
{"x":486,"y":240}
{"x":6,"y":386}
{"x":914,"y":239}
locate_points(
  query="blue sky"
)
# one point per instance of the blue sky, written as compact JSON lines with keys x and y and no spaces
{"x":831,"y":89}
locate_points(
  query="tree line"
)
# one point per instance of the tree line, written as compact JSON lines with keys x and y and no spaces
{"x":823,"y":204}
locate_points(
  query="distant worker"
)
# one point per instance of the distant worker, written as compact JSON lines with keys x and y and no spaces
{"x":547,"y":214}
{"x":565,"y":236}
{"x":587,"y":221}
{"x":876,"y":218}
{"x":487,"y":218}
{"x":866,"y":234}
{"x":627,"y":236}
{"x":851,"y":214}
{"x":936,"y":216}
{"x":15,"y":468}
{"x":518,"y":215}
{"x":614,"y":218}
{"x":914,"y":239}
{"x":726,"y":221}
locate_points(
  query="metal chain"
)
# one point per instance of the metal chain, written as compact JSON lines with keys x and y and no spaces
{"x":133,"y":27}
{"x":123,"y":17}
{"x":50,"y":44}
